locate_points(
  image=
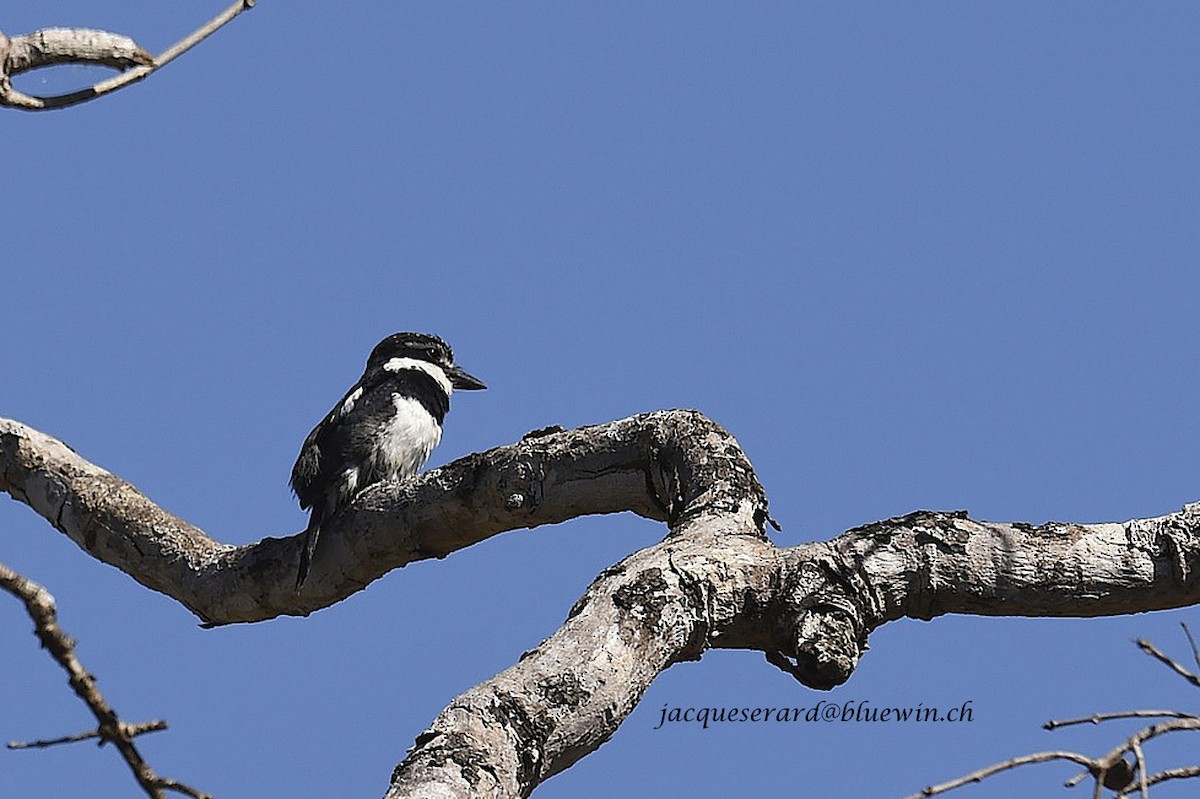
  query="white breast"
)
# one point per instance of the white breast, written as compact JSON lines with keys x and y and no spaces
{"x":406,"y":440}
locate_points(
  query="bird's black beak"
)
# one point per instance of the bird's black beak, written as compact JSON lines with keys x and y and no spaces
{"x":461,"y":380}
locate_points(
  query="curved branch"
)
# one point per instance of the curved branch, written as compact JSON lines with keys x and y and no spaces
{"x":715,"y":581}
{"x":996,"y":768}
{"x":54,"y":46}
{"x":653,"y":465}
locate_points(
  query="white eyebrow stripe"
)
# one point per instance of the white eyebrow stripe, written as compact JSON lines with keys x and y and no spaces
{"x":431,"y":369}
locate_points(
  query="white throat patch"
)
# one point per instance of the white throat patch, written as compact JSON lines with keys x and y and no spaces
{"x":431,"y":369}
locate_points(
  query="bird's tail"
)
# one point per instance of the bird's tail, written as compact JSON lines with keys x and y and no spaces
{"x":310,"y":545}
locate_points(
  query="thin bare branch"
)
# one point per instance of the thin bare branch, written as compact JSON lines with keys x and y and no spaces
{"x":1096,"y":718}
{"x":1112,"y":770}
{"x":996,"y":768}
{"x":1192,"y":642}
{"x":1118,"y":774}
{"x":1153,"y":651}
{"x":132,"y":730}
{"x":41,"y":608}
{"x":1146,"y":734}
{"x":84,"y":46}
{"x":1181,"y":773}
{"x":1140,"y":759}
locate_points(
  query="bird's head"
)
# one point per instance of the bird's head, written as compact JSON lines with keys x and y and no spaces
{"x":426,"y":349}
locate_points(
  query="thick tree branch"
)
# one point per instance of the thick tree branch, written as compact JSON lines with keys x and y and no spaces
{"x":632,"y":465}
{"x":714,"y":581}
{"x":54,"y":46}
{"x":927,"y":564}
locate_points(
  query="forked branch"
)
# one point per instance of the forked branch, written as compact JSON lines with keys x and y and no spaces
{"x":1113,"y":770}
{"x":54,"y":46}
{"x":41,"y":608}
{"x":714,"y":581}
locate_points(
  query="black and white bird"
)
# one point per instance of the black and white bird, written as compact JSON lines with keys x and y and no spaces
{"x":383,"y":429}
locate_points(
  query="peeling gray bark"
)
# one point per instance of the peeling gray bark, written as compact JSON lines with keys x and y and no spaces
{"x":52,"y":46}
{"x":715,"y":581}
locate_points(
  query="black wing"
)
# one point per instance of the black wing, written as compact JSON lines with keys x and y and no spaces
{"x":314,"y":467}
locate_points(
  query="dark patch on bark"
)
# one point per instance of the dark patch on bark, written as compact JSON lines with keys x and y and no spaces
{"x":927,"y":527}
{"x":646,"y":594}
{"x":947,"y":540}
{"x":655,"y":494}
{"x":542,"y":432}
{"x":1050,"y":527}
{"x":564,"y":690}
{"x":578,"y":607}
{"x":615,"y":570}
{"x":531,"y":731}
{"x":454,"y":747}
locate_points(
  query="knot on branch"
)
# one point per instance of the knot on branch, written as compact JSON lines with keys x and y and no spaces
{"x":521,"y":481}
{"x":829,"y":617}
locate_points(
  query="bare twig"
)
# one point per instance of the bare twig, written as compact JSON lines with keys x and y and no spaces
{"x":82,"y":46}
{"x":1153,"y":651}
{"x":1096,"y":718}
{"x":1181,"y":773}
{"x":1111,"y":771}
{"x":1192,"y":641}
{"x":1145,"y":734}
{"x":1140,"y":758}
{"x":41,"y":608}
{"x":996,"y":768}
{"x":133,"y":730}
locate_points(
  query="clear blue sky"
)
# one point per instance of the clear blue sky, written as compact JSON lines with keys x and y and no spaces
{"x":936,"y":255}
